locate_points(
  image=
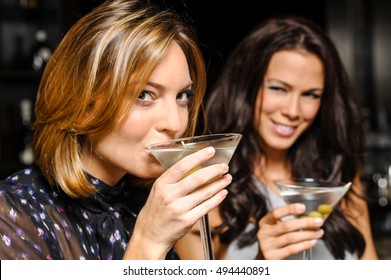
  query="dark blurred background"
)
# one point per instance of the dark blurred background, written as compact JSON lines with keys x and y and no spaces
{"x":31,"y":29}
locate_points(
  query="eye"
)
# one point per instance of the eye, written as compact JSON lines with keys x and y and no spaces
{"x":185,"y":98}
{"x":312,"y":95}
{"x":145,"y":98}
{"x":145,"y":95}
{"x":276,"y":89}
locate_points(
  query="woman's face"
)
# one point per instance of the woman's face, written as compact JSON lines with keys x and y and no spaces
{"x":289,"y":98}
{"x":160,"y":113}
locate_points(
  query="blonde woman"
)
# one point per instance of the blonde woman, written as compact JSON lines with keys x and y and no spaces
{"x":126,"y":75}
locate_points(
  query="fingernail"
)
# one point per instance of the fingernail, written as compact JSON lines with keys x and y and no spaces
{"x":224,"y":167}
{"x":319,"y":233}
{"x":300,"y":207}
{"x":318,"y":221}
{"x":228,"y":177}
{"x":210,"y":150}
{"x":223,"y":193}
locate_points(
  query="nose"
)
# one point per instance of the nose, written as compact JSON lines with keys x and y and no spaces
{"x":170,"y":119}
{"x":291,"y":107}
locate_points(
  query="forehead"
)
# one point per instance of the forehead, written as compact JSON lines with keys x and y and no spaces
{"x":291,"y":66}
{"x":174,"y":57}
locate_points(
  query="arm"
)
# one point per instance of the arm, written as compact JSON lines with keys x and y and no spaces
{"x":278,"y":240}
{"x":190,"y":248}
{"x":175,"y":204}
{"x":358,"y":215}
{"x":19,"y":236}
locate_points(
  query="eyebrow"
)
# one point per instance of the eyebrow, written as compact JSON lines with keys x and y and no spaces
{"x":162,"y":87}
{"x":288,"y":85}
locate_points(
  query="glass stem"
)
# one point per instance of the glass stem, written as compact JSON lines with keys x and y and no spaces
{"x":307,"y":254}
{"x":206,"y":238}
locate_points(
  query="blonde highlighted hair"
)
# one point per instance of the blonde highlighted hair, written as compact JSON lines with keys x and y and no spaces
{"x":94,"y":77}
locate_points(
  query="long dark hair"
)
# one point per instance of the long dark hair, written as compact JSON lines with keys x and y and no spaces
{"x":331,"y":147}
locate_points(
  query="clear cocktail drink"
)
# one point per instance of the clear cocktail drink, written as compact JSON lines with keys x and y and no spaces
{"x":170,"y":152}
{"x":319,"y":196}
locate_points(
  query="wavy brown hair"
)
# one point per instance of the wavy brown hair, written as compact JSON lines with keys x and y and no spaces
{"x":331,"y":147}
{"x":95,"y":76}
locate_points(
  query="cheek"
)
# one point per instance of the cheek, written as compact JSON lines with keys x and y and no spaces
{"x":310,"y":111}
{"x":270,"y":104}
{"x":185,"y":120}
{"x":135,"y":125}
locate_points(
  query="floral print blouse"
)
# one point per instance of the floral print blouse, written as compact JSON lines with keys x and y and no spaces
{"x":38,"y":221}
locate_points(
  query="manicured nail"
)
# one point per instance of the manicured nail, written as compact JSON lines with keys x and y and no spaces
{"x":318,"y":221}
{"x":224,"y":167}
{"x":228,"y":177}
{"x":319,"y":233}
{"x":210,"y":150}
{"x":223,"y":193}
{"x":300,"y":207}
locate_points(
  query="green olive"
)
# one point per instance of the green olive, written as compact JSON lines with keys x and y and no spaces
{"x":315,"y":214}
{"x":325,"y":209}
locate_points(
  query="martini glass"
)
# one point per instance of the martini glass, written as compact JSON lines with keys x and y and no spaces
{"x":171,"y":151}
{"x":319,"y":197}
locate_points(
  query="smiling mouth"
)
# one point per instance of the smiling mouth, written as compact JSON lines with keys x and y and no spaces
{"x":284,"y":130}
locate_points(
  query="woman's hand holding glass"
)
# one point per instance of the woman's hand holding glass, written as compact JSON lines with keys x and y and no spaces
{"x":279,"y":236}
{"x":178,"y":199}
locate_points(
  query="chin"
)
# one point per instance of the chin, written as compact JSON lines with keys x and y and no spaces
{"x":281,"y":147}
{"x":152,"y":173}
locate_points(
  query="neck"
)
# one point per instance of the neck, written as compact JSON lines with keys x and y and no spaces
{"x":273,"y":166}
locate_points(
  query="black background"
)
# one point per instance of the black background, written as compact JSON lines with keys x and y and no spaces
{"x":221,"y":24}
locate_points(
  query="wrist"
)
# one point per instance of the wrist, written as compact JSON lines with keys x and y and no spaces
{"x":140,"y":248}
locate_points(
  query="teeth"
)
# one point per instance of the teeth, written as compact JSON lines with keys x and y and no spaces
{"x":284,"y":128}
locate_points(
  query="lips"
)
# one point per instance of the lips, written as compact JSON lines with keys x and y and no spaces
{"x":284,"y":130}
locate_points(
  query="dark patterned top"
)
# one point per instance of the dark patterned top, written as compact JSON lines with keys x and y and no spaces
{"x":38,"y":221}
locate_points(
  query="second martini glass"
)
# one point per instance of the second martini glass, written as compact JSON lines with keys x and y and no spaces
{"x":169,"y":152}
{"x":319,"y":197}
